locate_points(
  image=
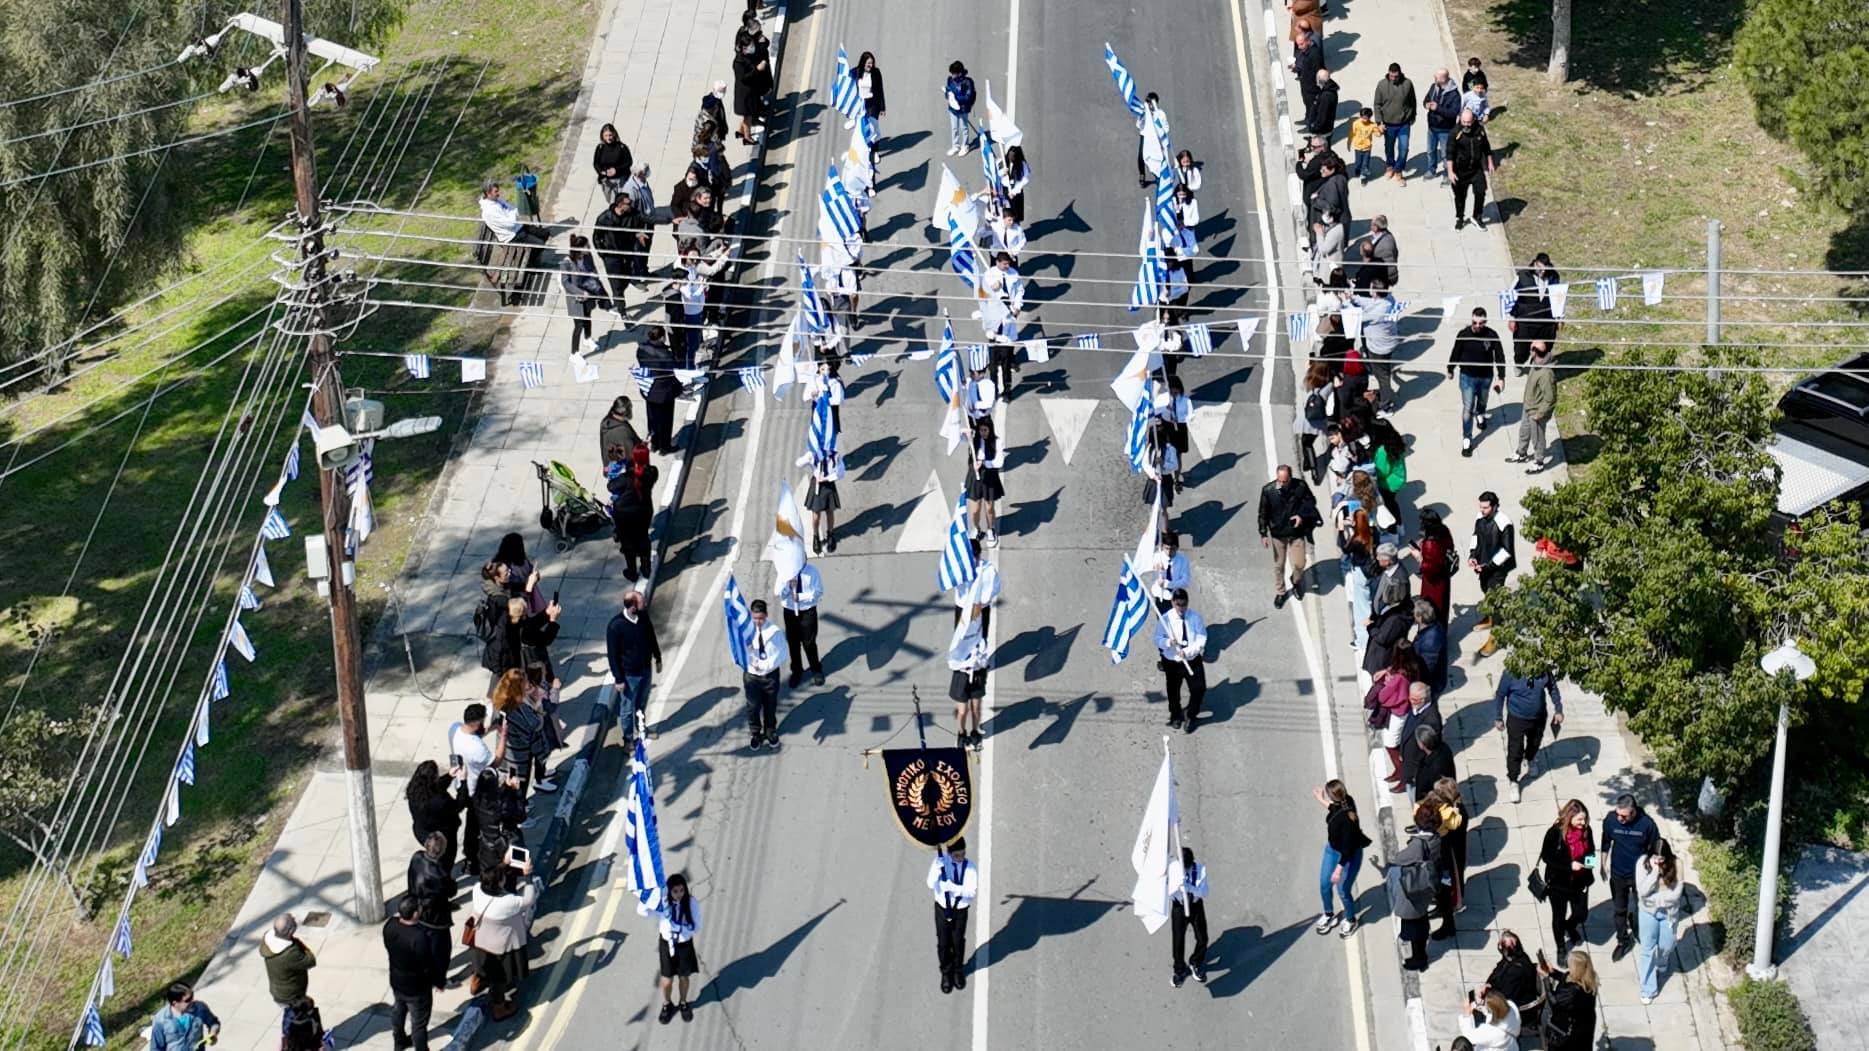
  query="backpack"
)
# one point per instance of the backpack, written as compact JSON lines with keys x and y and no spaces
{"x":1418,"y":880}
{"x":1314,"y":410}
{"x":303,"y":1029}
{"x":488,"y":619}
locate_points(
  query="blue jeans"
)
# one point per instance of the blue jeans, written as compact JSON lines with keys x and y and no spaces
{"x":1656,"y":937}
{"x":1473,"y":391}
{"x":1346,"y":886}
{"x":960,"y":130}
{"x":1356,"y":585}
{"x":1437,"y":149}
{"x":1395,"y":146}
{"x":632,"y":697}
{"x":1361,"y":165}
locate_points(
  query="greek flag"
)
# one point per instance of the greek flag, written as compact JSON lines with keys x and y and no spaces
{"x":1166,"y":215}
{"x":262,"y":569}
{"x":821,"y":439}
{"x":1298,"y":326}
{"x":812,"y":310}
{"x":1128,"y":612}
{"x":838,"y":220}
{"x":963,"y":256}
{"x":1200,"y":340}
{"x":859,"y":359}
{"x":248,"y":600}
{"x":1088,"y":341}
{"x":93,"y":1025}
{"x":957,"y":565}
{"x":1397,"y":307}
{"x":947,"y":371}
{"x":275,"y":528}
{"x":531,"y":374}
{"x":292,"y":462}
{"x":1606,"y":293}
{"x":120,"y":938}
{"x":1125,"y":84}
{"x":978,"y":357}
{"x":1138,"y":442}
{"x":753,"y":377}
{"x":644,"y":379}
{"x":640,"y":838}
{"x":185,"y":770}
{"x":237,"y":638}
{"x":140,"y":876}
{"x":1508,"y":298}
{"x":362,"y":471}
{"x":844,"y":96}
{"x":219,"y":690}
{"x":1151,"y":273}
{"x":989,"y":161}
{"x":417,"y":364}
{"x":739,"y":622}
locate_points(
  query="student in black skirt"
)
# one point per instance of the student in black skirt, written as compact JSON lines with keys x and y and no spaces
{"x":822,"y":500}
{"x":679,"y":919}
{"x":1160,"y":464}
{"x":1176,"y":409}
{"x":968,"y":657}
{"x":984,"y":460}
{"x":1016,"y":173}
{"x":826,"y":381}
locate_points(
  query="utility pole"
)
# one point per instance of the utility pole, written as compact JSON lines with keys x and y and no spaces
{"x":328,"y":409}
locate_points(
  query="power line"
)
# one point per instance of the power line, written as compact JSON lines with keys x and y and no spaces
{"x":89,"y":85}
{"x":191,"y":140}
{"x":157,"y":108}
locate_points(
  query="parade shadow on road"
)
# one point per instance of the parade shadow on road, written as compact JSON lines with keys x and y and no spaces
{"x":830,"y":709}
{"x":873,"y":457}
{"x":1227,"y":696}
{"x":1025,"y":517}
{"x":910,"y":179}
{"x":1202,"y":522}
{"x":1036,"y":918}
{"x":1047,"y":646}
{"x":880,"y":643}
{"x":748,"y":971}
{"x":696,"y":707}
{"x":1244,"y":953}
{"x":878,"y":516}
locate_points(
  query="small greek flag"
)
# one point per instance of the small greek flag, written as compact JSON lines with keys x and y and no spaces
{"x":821,"y":438}
{"x":1128,"y":612}
{"x":417,"y":364}
{"x":1088,"y":341}
{"x":812,"y":310}
{"x":989,"y":161}
{"x":120,"y":938}
{"x":838,"y":220}
{"x":844,"y":96}
{"x":753,"y":377}
{"x":248,"y":600}
{"x":1606,"y":293}
{"x":1397,"y":307}
{"x":185,"y":770}
{"x":362,"y":470}
{"x":978,"y":357}
{"x":1137,"y":444}
{"x":262,"y":569}
{"x":237,"y":638}
{"x":1200,"y":340}
{"x":275,"y":528}
{"x":1151,"y":281}
{"x":1651,"y":288}
{"x":947,"y":370}
{"x":1125,"y":84}
{"x":292,"y":462}
{"x":739,"y":622}
{"x":644,"y":380}
{"x":957,"y":568}
{"x":963,"y":256}
{"x":93,"y":1025}
{"x":1508,"y":299}
{"x":531,"y":374}
{"x":1298,"y":326}
{"x":1166,"y":215}
{"x":858,"y":360}
{"x":219,"y":690}
{"x":141,"y":876}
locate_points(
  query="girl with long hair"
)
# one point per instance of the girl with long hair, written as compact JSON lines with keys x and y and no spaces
{"x":985,"y":458}
{"x":1658,"y":892}
{"x":1569,"y":859}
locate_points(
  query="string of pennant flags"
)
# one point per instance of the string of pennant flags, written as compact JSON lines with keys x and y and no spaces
{"x":218,"y":687}
{"x":1301,"y":325}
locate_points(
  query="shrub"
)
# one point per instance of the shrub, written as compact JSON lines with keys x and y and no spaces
{"x":1770,"y":1017}
{"x":1729,"y":877}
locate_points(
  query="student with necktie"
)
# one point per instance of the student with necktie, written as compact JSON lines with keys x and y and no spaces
{"x":1181,"y":638}
{"x":799,"y":597}
{"x":1188,"y":907}
{"x":764,"y":652}
{"x":954,"y":881}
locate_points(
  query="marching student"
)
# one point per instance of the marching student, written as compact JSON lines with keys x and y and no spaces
{"x":1187,"y":172}
{"x":955,"y":881}
{"x":1004,"y":236}
{"x":985,"y":457}
{"x":799,"y":597}
{"x":1015,"y":173}
{"x":1171,"y":571}
{"x":1188,"y":907}
{"x":1150,"y":127}
{"x":763,"y":654}
{"x":968,"y":656}
{"x":1175,"y":408}
{"x":981,"y":593}
{"x":826,"y":381}
{"x":982,"y":393}
{"x":678,"y":920}
{"x":870,"y":86}
{"x":1161,"y":464}
{"x":1181,"y":638}
{"x":822,"y":500}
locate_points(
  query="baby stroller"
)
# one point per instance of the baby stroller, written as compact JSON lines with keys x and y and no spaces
{"x":567,"y":510}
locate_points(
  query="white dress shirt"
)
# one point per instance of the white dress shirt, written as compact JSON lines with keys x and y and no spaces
{"x":1006,"y":235}
{"x":766,"y":650}
{"x":501,"y":218}
{"x":998,"y":458}
{"x":1181,"y":636}
{"x":1167,"y":462}
{"x":967,"y":650}
{"x":473,"y":750}
{"x":983,"y":590}
{"x":1189,"y":175}
{"x":1182,"y":243}
{"x":676,"y":933}
{"x":982,"y":395}
{"x":1170,"y":573}
{"x":954,"y":882}
{"x":1015,"y":180}
{"x":829,"y":470}
{"x":1193,"y":885}
{"x":803,"y":591}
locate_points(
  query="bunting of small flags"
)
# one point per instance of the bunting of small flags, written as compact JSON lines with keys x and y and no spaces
{"x":1559,"y":294}
{"x":978,"y":358}
{"x":262,"y":569}
{"x":1606,"y":293}
{"x":753,"y":378}
{"x":1089,"y":341}
{"x":120,"y":939}
{"x":219,"y":691}
{"x":1397,"y":307}
{"x":643,"y":379}
{"x":201,"y":722}
{"x":93,"y":1026}
{"x":248,"y":600}
{"x":144,"y":864}
{"x":583,"y":370}
{"x":185,"y":770}
{"x":1508,"y":298}
{"x":1651,"y":288}
{"x":417,"y":364}
{"x":275,"y":528}
{"x":1037,"y":351}
{"x":106,"y":980}
{"x":237,"y":638}
{"x":292,"y":461}
{"x":362,"y":515}
{"x":1200,"y":340}
{"x":859,"y":360}
{"x":172,"y":806}
{"x":473,"y":370}
{"x":1298,"y":326}
{"x":531,"y":374}
{"x":1449,"y":304}
{"x":1249,"y":327}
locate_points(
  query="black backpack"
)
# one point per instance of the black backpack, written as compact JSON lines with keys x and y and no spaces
{"x":303,"y":1029}
{"x":1314,"y":410}
{"x":488,"y":619}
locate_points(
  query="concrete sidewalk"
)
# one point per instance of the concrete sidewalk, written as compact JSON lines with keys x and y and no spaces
{"x":1594,"y":759}
{"x":649,"y":64}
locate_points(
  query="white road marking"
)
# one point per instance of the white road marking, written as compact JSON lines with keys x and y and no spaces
{"x":926,"y":529}
{"x":1204,"y":426}
{"x":983,"y":899}
{"x":1068,"y":418}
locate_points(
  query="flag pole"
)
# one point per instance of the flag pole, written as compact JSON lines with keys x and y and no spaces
{"x":1151,"y":598}
{"x":915,"y":693}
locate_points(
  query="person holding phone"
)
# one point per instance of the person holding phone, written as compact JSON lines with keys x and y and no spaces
{"x":469,"y":759}
{"x":436,"y":800}
{"x":678,"y":920}
{"x":502,"y":906}
{"x":1569,"y":858}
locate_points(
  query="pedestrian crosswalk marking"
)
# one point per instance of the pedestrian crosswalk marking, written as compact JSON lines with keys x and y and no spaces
{"x":926,"y":529}
{"x":1068,"y":418}
{"x":1204,"y":426}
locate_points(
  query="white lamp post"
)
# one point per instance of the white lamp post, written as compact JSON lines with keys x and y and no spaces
{"x":1787,"y":657}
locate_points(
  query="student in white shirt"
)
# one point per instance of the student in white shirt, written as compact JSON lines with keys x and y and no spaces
{"x":1176,"y":409}
{"x":981,"y":593}
{"x":822,"y":500}
{"x":954,"y":880}
{"x":678,"y":921}
{"x":985,"y":457}
{"x":1187,"y":173}
{"x":1015,"y":174}
{"x":1161,"y":464}
{"x":982,"y":395}
{"x":799,"y":597}
{"x":825,"y":381}
{"x":1181,"y":639}
{"x":1171,"y":571}
{"x":1004,"y":234}
{"x":968,"y":657}
{"x":764,"y":652}
{"x":1151,"y":138}
{"x":1188,"y":907}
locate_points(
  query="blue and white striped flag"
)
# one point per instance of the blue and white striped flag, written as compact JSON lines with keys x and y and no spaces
{"x":1125,"y":84}
{"x":957,"y":568}
{"x":989,"y":161}
{"x":1397,"y":307}
{"x":1298,"y":326}
{"x":1167,"y":216}
{"x":753,"y":377}
{"x":812,"y":311}
{"x":185,"y":770}
{"x":858,"y":359}
{"x":292,"y":462}
{"x":362,"y":470}
{"x":275,"y":528}
{"x":1088,"y":341}
{"x":1137,"y":444}
{"x":1128,"y":612}
{"x":1508,"y":298}
{"x":821,"y":437}
{"x":739,"y":622}
{"x":1606,"y":293}
{"x":219,"y":690}
{"x":844,"y":96}
{"x":262,"y":569}
{"x":963,"y":256}
{"x":237,"y":638}
{"x":93,"y":1025}
{"x":838,"y":219}
{"x":641,"y":840}
{"x":643,"y":377}
{"x":120,"y":938}
{"x":1200,"y":340}
{"x":417,"y":364}
{"x":140,"y":876}
{"x":531,"y":374}
{"x":248,"y":600}
{"x":947,"y":370}
{"x":978,"y":357}
{"x":1152,"y":272}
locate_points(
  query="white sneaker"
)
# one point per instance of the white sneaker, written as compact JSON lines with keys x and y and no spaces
{"x":1646,"y":1000}
{"x":953,"y":151}
{"x":1514,"y":793}
{"x":546,"y":785}
{"x":590,"y":345}
{"x":991,"y":539}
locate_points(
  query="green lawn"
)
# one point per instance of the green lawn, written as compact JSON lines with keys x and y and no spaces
{"x":462,"y":58}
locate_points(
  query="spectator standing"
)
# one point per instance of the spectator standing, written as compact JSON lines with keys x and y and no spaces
{"x":1534,"y":315}
{"x":1343,"y":858}
{"x":1288,"y":516}
{"x":502,"y":905}
{"x":1516,"y":978}
{"x":631,"y":483}
{"x":1309,"y":63}
{"x":1629,"y":835}
{"x":288,"y":961}
{"x":1569,"y":858}
{"x":1395,"y":106}
{"x":413,"y":976}
{"x":1451,"y":893}
{"x":1391,"y":588}
{"x":1364,"y":131}
{"x":1442,"y":102}
{"x":1411,"y":878}
{"x":525,"y":743}
{"x":1433,"y":758}
{"x":631,"y":648}
{"x":584,"y":293}
{"x":1327,"y":239}
{"x":1519,"y":712}
{"x":959,"y":94}
{"x":1478,"y":362}
{"x":432,"y":888}
{"x":466,"y":740}
{"x":1383,"y":250}
{"x":1439,"y":559}
{"x":621,"y":237}
{"x":1469,"y":162}
{"x":616,"y":432}
{"x":435,"y":804}
{"x":752,"y":78}
{"x":1431,"y":646}
{"x":1475,"y":74}
{"x":612,"y":161}
{"x":1658,"y":892}
{"x":1540,"y":403}
{"x":1570,"y":1004}
{"x":1474,"y":101}
{"x":654,"y":354}
{"x":1380,"y":339}
{"x":1321,"y":109}
{"x":1410,"y":753}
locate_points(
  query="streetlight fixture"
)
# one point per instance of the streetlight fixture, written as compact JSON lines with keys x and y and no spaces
{"x":1786,"y":658}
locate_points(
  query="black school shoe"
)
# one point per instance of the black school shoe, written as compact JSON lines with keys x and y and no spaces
{"x":687,"y":1011}
{"x":667,"y":1012}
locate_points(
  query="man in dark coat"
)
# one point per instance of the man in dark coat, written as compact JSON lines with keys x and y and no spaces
{"x":1320,"y":110}
{"x":1333,"y":193}
{"x":1310,"y":62}
{"x":414,"y":975}
{"x":1534,"y":320}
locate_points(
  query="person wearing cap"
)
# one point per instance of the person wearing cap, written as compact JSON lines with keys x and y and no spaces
{"x":1188,"y":908}
{"x":980,"y":593}
{"x":1171,"y":572}
{"x":969,"y":655}
{"x":954,"y":880}
{"x":1181,"y":639}
{"x":764,"y":651}
{"x":1391,"y":587}
{"x":799,"y":596}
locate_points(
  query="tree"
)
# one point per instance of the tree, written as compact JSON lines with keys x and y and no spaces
{"x":34,"y":749}
{"x":1806,"y":64}
{"x":1681,"y":584}
{"x":1559,"y":70}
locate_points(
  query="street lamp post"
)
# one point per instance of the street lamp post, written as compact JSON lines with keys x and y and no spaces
{"x":1787,"y":657}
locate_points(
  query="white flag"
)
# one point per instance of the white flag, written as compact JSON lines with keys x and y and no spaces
{"x":1559,"y":295}
{"x":1153,"y":856}
{"x":473,"y":370}
{"x":1352,"y":322}
{"x":1449,"y":304}
{"x":1651,"y":288}
{"x":785,"y":548}
{"x":1037,"y":351}
{"x":951,"y":200}
{"x":1000,"y":126}
{"x":582,"y":370}
{"x":1144,"y":556}
{"x":1249,"y":327}
{"x":1129,"y":383}
{"x":262,"y":570}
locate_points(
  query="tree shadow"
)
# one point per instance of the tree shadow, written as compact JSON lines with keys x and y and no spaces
{"x":1849,"y":251}
{"x":1244,"y":953}
{"x":748,"y":971}
{"x":1650,"y":45}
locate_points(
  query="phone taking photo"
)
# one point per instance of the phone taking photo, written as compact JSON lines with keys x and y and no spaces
{"x":455,"y":762}
{"x":517,"y":855}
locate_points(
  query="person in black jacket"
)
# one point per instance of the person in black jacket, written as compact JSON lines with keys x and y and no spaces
{"x":1287,"y":517}
{"x":1568,"y":855}
{"x":520,"y":640}
{"x":631,"y":648}
{"x":632,"y":508}
{"x":1343,"y":857}
{"x":1515,"y":977}
{"x":1534,"y":318}
{"x":1423,"y":715}
{"x":621,"y":236}
{"x":1309,"y":63}
{"x":414,"y":975}
{"x":1570,"y":1004}
{"x":869,"y":80}
{"x":752,"y":78}
{"x":612,"y":161}
{"x":1333,"y":193}
{"x":1479,"y":362}
{"x":1469,"y":159}
{"x":584,"y":293}
{"x":1492,"y":553}
{"x":1433,"y":758}
{"x":432,"y":888}
{"x":501,"y":811}
{"x":435,"y":808}
{"x":1320,"y":109}
{"x":1388,"y":631}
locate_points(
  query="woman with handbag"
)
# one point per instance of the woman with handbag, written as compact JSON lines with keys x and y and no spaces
{"x":1439,"y":560}
{"x":1569,"y":1022}
{"x":498,"y":933}
{"x":1516,"y":978}
{"x":1569,"y":859}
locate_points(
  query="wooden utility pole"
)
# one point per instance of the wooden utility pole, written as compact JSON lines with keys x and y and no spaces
{"x":328,"y":409}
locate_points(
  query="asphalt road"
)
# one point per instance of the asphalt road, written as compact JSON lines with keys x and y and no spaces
{"x":817,"y":927}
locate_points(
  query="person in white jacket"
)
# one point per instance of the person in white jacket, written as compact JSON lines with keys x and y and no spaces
{"x":502,"y":915}
{"x":1658,"y":890}
{"x":1500,"y":1030}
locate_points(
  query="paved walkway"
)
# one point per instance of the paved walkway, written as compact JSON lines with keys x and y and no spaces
{"x":649,"y":65}
{"x":1594,"y":760}
{"x":1824,"y":956}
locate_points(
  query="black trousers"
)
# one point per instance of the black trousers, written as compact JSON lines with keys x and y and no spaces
{"x":470,"y":842}
{"x":1621,"y":896}
{"x":617,"y":269}
{"x":661,"y":425}
{"x":950,"y":939}
{"x":801,"y":634}
{"x":762,"y":703}
{"x":1194,"y":673}
{"x":1523,"y":736}
{"x":1492,"y":577}
{"x":633,"y":542}
{"x":580,"y":328}
{"x":1179,"y":920}
{"x":1568,"y":907}
{"x":1476,"y":184}
{"x":415,"y":1011}
{"x":1001,"y":363}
